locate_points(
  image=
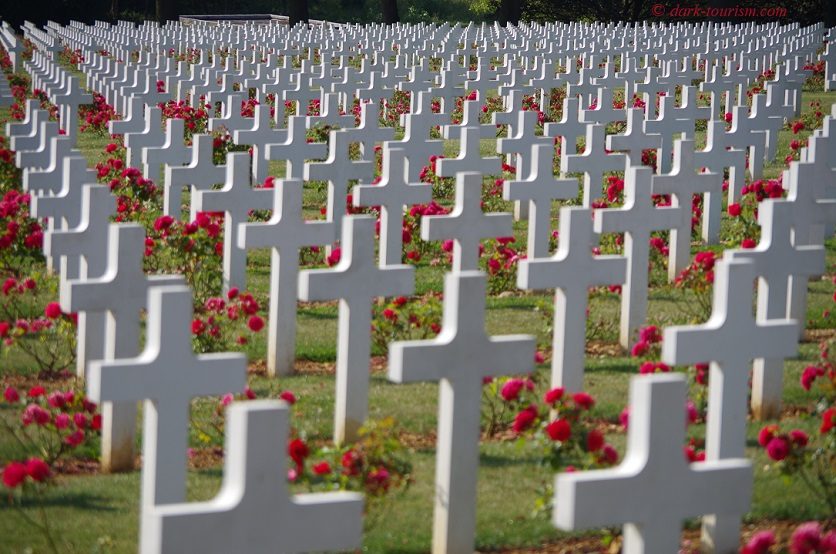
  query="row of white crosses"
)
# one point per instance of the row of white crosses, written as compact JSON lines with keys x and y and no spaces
{"x":462,"y":336}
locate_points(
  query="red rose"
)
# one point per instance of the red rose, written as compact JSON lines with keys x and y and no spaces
{"x":735,"y":210}
{"x":288,"y":397}
{"x":525,"y":419}
{"x":53,"y":310}
{"x":11,"y":395}
{"x":255,"y":323}
{"x":553,"y":395}
{"x":559,"y":430}
{"x":14,"y":474}
{"x":511,"y":389}
{"x":583,"y":400}
{"x":322,"y":468}
{"x":778,"y":449}
{"x":37,"y":469}
{"x":298,"y":451}
{"x":594,"y":440}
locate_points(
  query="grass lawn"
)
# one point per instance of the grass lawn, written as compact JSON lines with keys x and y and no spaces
{"x":99,"y":513}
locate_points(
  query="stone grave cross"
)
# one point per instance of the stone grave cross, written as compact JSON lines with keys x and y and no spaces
{"x":339,"y":170}
{"x":636,"y":219}
{"x":467,"y":224}
{"x":356,"y":281}
{"x":254,"y":510}
{"x":391,"y":194}
{"x":295,"y":150}
{"x":459,"y":358}
{"x":538,"y":190}
{"x":571,"y":272}
{"x":654,"y":488}
{"x":236,"y":199}
{"x":594,"y":162}
{"x":469,"y":159}
{"x":682,"y":183}
{"x":200,"y":174}
{"x":729,"y":340}
{"x":122,"y":293}
{"x":634,"y":141}
{"x":776,"y":261}
{"x":166,"y":376}
{"x":284,"y":233}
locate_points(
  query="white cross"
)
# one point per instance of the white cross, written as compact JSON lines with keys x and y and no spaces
{"x":356,"y":281}
{"x":654,"y":488}
{"x":776,"y":260}
{"x":636,"y":219}
{"x":236,"y":199}
{"x":730,"y":339}
{"x":667,"y":127}
{"x":538,"y":190}
{"x":231,"y":118}
{"x":467,"y":224}
{"x":745,"y":133}
{"x":47,"y":180}
{"x":392,"y":193}
{"x":459,"y":358}
{"x":260,"y":137}
{"x":634,"y":140}
{"x":69,"y":100}
{"x":173,"y":151}
{"x":682,"y":183}
{"x":200,"y":174}
{"x":284,"y":233}
{"x":569,"y":128}
{"x":254,"y":511}
{"x":150,"y":135}
{"x":64,"y":209}
{"x":469,"y":158}
{"x":121,"y":292}
{"x":165,"y":377}
{"x":295,"y":150}
{"x":416,"y":139}
{"x":717,"y":156}
{"x":81,"y":252}
{"x":523,"y":141}
{"x":812,"y":193}
{"x":338,"y":169}
{"x":369,"y":133}
{"x":571,"y":271}
{"x":593,"y":162}
{"x":604,"y":113}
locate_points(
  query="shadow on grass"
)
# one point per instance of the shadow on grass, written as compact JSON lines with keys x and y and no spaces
{"x":79,"y":500}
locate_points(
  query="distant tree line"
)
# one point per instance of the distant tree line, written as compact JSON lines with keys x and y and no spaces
{"x":392,"y":11}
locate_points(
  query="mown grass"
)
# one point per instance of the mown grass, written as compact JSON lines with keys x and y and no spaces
{"x":100,"y":512}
